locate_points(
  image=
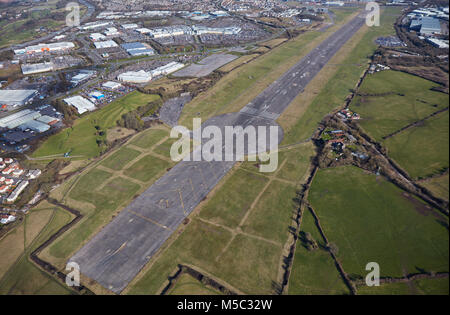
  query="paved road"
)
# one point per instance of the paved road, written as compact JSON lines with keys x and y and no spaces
{"x":116,"y":254}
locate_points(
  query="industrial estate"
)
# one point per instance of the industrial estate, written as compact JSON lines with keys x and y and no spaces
{"x":90,"y":93}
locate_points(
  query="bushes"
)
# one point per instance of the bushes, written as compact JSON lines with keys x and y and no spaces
{"x":132,"y":120}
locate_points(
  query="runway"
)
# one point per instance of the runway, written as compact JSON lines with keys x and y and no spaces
{"x":116,"y":254}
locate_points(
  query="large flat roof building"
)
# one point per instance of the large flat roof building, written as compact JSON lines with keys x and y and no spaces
{"x":45,"y":48}
{"x":80,"y":103}
{"x":31,"y":68}
{"x":16,"y":97}
{"x":19,"y":118}
{"x":138,"y":49}
{"x":105,"y":44}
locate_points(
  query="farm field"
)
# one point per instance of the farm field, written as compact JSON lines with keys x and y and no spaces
{"x":187,"y":285}
{"x":423,"y":150}
{"x":333,"y":93}
{"x":81,"y":139}
{"x":438,"y":186}
{"x":105,"y":188}
{"x":416,"y":287}
{"x":237,"y":236}
{"x":370,"y":219}
{"x":391,"y":100}
{"x":239,"y":87}
{"x":24,"y":277}
{"x":314,"y":272}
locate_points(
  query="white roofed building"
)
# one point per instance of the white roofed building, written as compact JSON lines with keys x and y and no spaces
{"x":80,"y":103}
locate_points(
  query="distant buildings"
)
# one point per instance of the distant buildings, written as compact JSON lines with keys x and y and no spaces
{"x":53,"y":47}
{"x":138,"y":49}
{"x":82,"y":76}
{"x":28,"y":119}
{"x":144,"y":76}
{"x":111,"y":85}
{"x":105,"y":44}
{"x":16,"y":97}
{"x":170,"y":31}
{"x":80,"y":103}
{"x":426,"y":25}
{"x":37,"y":68}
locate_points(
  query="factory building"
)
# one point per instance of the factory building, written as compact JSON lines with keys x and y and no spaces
{"x":82,"y":76}
{"x":19,"y":118}
{"x":143,"y":30}
{"x":93,"y":25}
{"x":111,"y":85}
{"x":53,"y":47}
{"x":80,"y":103}
{"x":144,"y":76}
{"x":201,"y":30}
{"x":34,"y":125}
{"x":97,"y":37}
{"x":135,"y":77}
{"x":105,"y":44}
{"x":138,"y":49}
{"x":426,"y":25}
{"x":111,"y":31}
{"x":16,"y":97}
{"x":32,"y":68}
{"x":129,"y":26}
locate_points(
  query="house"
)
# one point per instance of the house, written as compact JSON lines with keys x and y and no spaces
{"x":6,"y":218}
{"x":4,"y":189}
{"x":8,"y":160}
{"x":9,"y":181}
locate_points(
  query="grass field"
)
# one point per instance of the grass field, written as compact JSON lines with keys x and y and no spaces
{"x":402,"y":99}
{"x":81,"y":139}
{"x":370,"y":219}
{"x":24,"y":277}
{"x":422,"y":151}
{"x":417,"y":287}
{"x":147,"y":168}
{"x":187,"y":285}
{"x":438,"y":186}
{"x":314,"y":272}
{"x":119,"y":159}
{"x":334,"y":92}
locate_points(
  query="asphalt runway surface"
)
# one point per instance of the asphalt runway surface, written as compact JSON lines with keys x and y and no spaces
{"x":116,"y":254}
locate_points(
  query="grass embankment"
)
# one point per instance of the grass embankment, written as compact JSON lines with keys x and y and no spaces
{"x":82,"y":139}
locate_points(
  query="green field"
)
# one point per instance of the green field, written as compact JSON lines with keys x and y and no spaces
{"x":149,"y":138}
{"x":370,"y":219}
{"x":81,"y":139}
{"x":422,"y":151}
{"x":187,"y":285}
{"x":338,"y":87}
{"x":417,"y":287}
{"x":119,"y":159}
{"x":314,"y":272}
{"x":400,"y":100}
{"x":147,"y":168}
{"x":438,"y":186}
{"x":24,"y":277}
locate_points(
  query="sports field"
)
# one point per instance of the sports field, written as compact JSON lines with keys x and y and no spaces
{"x":81,"y":140}
{"x":371,"y":220}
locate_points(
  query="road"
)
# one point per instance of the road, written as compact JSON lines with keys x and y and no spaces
{"x":119,"y":251}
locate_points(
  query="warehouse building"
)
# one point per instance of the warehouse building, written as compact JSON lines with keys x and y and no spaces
{"x":16,"y":97}
{"x":426,"y":26}
{"x":144,"y":76}
{"x":93,"y":25}
{"x":97,"y":37}
{"x":53,"y":47}
{"x":111,"y":31}
{"x":105,"y":44}
{"x":82,"y":76}
{"x":129,"y":26}
{"x":32,"y":68}
{"x":48,"y":120}
{"x":138,"y":49}
{"x":97,"y":95}
{"x":19,"y":118}
{"x":111,"y":85}
{"x":34,"y":125}
{"x":80,"y":103}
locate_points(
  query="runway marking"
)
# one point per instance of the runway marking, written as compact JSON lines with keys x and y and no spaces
{"x":150,"y":220}
{"x":182,"y":203}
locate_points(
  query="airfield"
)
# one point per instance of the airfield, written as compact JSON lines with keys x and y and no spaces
{"x":116,"y":254}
